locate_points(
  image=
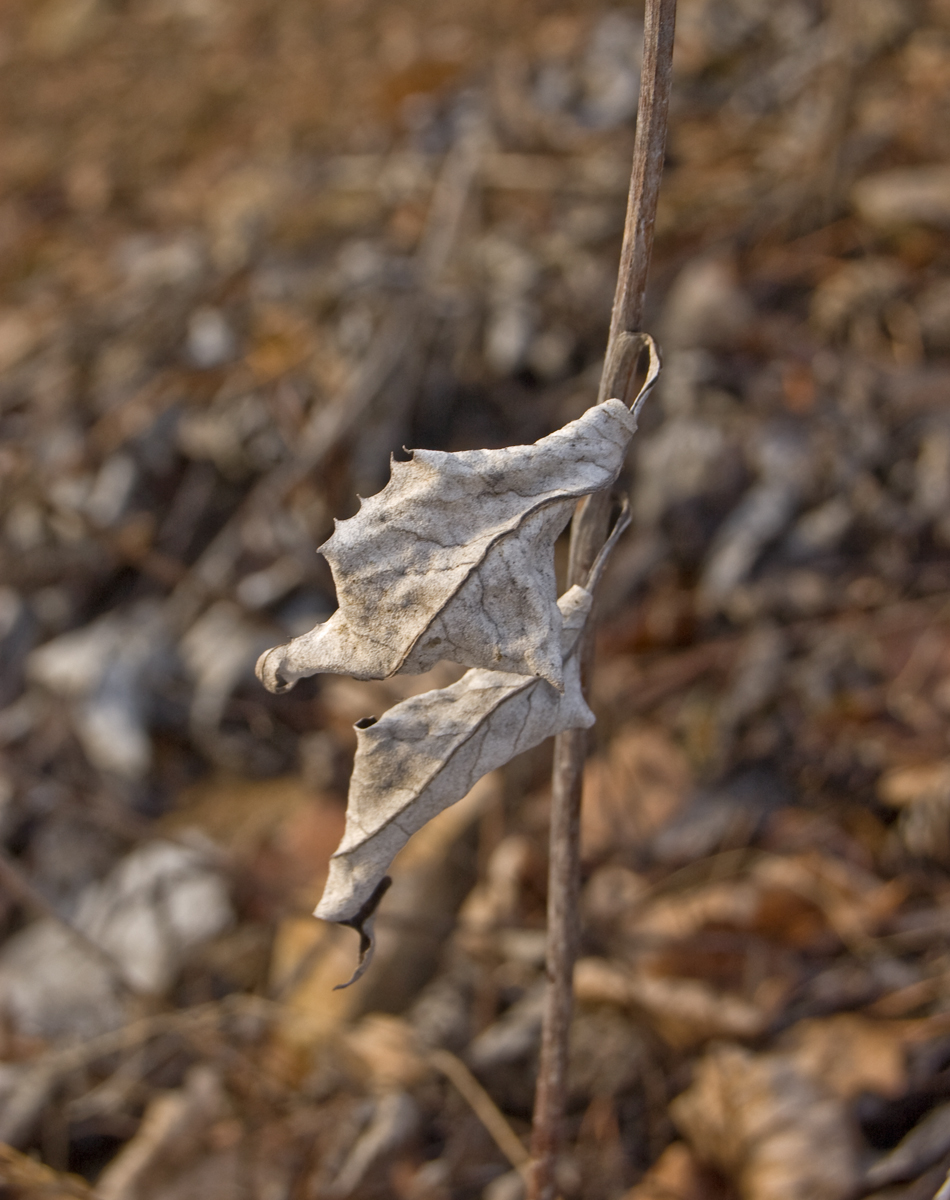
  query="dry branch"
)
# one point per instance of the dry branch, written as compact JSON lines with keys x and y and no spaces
{"x":587,"y":534}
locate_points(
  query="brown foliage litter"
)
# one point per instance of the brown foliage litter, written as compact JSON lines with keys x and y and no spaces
{"x":251,"y":249}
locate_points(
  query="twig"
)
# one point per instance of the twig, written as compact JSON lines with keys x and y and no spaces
{"x":21,"y":1106}
{"x":648,"y":153}
{"x":587,"y":536}
{"x":482,"y":1105}
{"x":172,"y":1117}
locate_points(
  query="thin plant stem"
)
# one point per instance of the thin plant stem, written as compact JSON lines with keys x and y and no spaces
{"x":588,"y":532}
{"x":648,"y":154}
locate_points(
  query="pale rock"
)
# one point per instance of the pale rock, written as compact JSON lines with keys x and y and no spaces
{"x":773,"y":1131}
{"x":102,"y":670}
{"x":111,"y":490}
{"x":211,"y":341}
{"x":155,"y":905}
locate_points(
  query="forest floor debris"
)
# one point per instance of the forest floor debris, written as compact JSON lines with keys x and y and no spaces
{"x":249,"y":251}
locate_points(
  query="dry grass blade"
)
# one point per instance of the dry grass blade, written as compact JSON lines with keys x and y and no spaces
{"x":24,"y":1103}
{"x":168,"y":1120}
{"x":482,"y":1106}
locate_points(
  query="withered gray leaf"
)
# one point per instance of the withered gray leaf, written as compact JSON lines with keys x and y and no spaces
{"x":454,"y":559}
{"x":427,"y":753}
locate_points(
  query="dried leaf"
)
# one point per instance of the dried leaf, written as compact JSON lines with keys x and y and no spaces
{"x":906,"y":786}
{"x":795,"y":900}
{"x":778,"y":1134}
{"x":676,"y":1175}
{"x":387,"y":1049}
{"x":426,"y":753}
{"x":632,"y":791}
{"x":454,"y":559}
{"x":922,"y":794}
{"x":850,"y":1053}
{"x":683,"y":1011}
{"x":853,"y":901}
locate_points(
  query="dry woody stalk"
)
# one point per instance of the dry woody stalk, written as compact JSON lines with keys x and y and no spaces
{"x":587,"y":534}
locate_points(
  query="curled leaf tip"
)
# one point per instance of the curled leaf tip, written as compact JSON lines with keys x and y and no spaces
{"x":269,"y":673}
{"x":363,"y":924}
{"x":328,"y":647}
{"x":427,"y":752}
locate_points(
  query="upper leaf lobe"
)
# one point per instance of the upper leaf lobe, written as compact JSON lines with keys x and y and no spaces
{"x":454,"y":559}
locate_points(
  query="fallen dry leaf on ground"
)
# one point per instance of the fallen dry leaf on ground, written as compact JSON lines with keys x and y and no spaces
{"x":926,"y":1144}
{"x":685,"y":1012}
{"x":850,"y":1054}
{"x":676,"y":1175}
{"x":922,"y":796}
{"x":771,"y":1129}
{"x":632,"y":791}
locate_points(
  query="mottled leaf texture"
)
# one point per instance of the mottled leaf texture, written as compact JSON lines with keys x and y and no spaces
{"x":454,"y":559}
{"x":428,"y":752}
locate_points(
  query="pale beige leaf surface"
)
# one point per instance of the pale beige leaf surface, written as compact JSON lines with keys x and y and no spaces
{"x":774,"y":1131}
{"x":851,"y":1053}
{"x":684,"y":1012}
{"x":454,"y":559}
{"x":676,"y":1175}
{"x":427,"y":752}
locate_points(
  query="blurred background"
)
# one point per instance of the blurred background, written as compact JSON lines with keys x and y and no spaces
{"x":249,"y":249}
